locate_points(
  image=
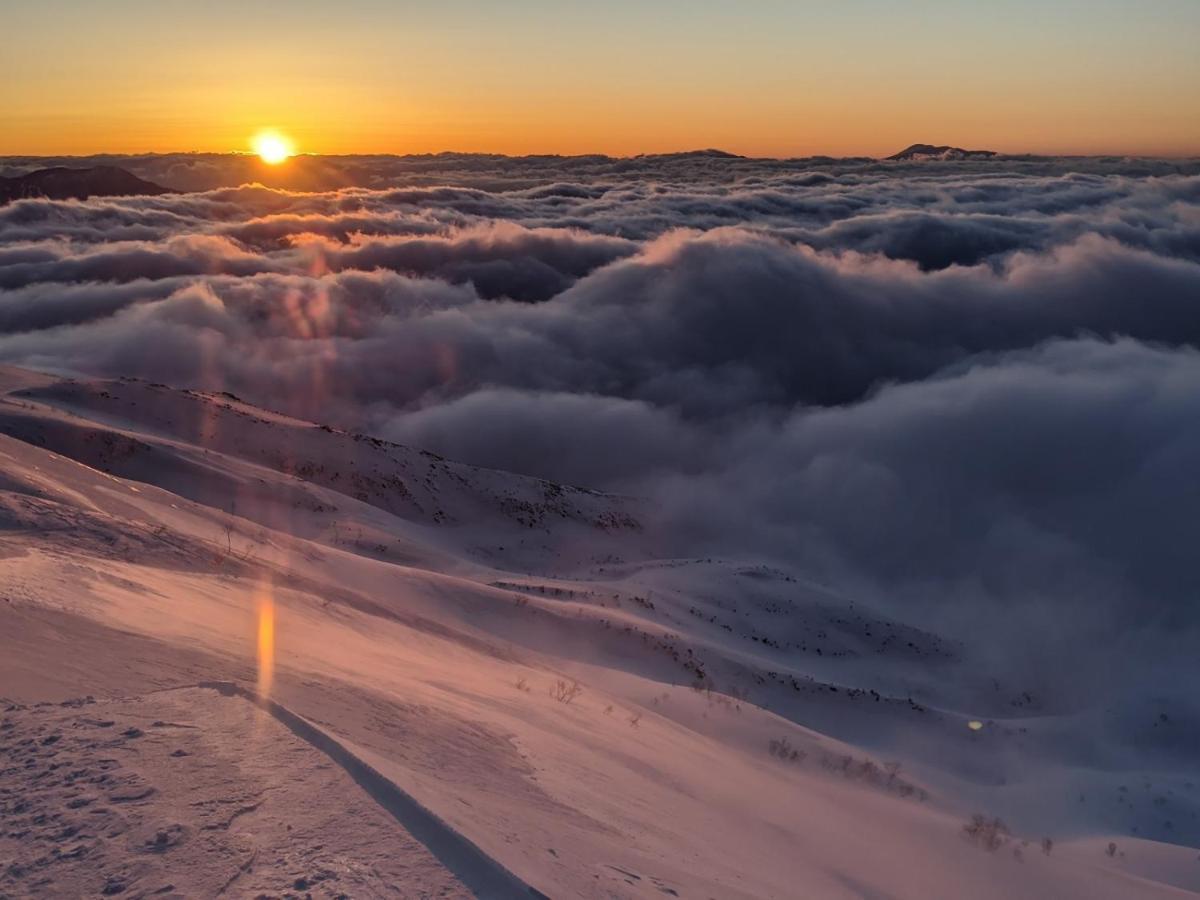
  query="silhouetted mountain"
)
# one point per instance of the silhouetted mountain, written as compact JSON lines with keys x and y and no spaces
{"x":709,"y":153}
{"x":62,"y":183}
{"x":929,"y":151}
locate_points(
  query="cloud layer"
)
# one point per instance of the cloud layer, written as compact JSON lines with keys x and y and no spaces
{"x":971,"y":390}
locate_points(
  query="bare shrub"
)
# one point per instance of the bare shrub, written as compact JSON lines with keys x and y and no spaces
{"x":1111,"y":849}
{"x":565,"y":693}
{"x":634,"y":719}
{"x":781,"y":748}
{"x":522,"y":685}
{"x":886,"y":777}
{"x":228,"y":553}
{"x":988,"y":834}
{"x":1047,"y":845}
{"x":715,"y":699}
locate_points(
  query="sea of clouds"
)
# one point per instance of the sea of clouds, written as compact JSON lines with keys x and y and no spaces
{"x":967,"y":390}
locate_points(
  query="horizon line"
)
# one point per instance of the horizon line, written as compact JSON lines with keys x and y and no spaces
{"x":716,"y":151}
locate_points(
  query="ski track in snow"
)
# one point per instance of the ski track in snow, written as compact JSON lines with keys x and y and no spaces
{"x":482,"y":874}
{"x":107,"y":798}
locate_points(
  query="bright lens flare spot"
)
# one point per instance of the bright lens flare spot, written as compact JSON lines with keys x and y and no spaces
{"x":266,"y":642}
{"x":974,"y":724}
{"x":272,"y":147}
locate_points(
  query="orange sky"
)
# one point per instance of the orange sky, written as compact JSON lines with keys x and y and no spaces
{"x":759,"y":77}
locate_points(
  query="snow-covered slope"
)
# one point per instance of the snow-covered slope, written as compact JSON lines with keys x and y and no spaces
{"x":386,"y":673}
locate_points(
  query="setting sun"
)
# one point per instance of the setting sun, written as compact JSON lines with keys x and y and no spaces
{"x":273,"y":147}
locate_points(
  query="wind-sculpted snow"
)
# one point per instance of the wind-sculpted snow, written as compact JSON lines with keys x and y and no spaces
{"x":969,"y":391}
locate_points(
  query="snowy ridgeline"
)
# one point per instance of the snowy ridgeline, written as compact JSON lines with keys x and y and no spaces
{"x":486,"y":683}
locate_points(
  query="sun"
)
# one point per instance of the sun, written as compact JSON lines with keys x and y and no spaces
{"x":272,"y":147}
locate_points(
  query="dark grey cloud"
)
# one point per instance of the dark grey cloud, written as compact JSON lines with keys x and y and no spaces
{"x":967,"y":392}
{"x":1037,"y":505}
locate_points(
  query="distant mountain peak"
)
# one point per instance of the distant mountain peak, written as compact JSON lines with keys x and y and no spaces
{"x":706,"y":153}
{"x":64,"y":183}
{"x":940,"y":152}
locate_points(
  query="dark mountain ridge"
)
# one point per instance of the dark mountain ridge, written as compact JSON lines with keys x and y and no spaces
{"x":64,"y":183}
{"x":940,"y":152}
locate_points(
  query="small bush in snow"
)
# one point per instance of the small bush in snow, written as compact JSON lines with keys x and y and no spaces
{"x":988,"y":834}
{"x":781,"y":748}
{"x":564,"y":692}
{"x":886,"y":777}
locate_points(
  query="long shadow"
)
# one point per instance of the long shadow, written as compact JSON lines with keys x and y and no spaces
{"x":480,"y":873}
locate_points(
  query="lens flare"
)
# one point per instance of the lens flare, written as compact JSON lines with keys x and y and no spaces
{"x":272,"y":147}
{"x":266,"y":641}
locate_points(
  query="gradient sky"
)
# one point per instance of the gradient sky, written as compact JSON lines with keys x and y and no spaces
{"x":758,"y":77}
